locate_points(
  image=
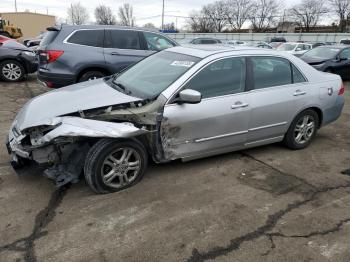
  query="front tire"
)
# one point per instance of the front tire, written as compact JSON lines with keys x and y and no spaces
{"x":113,"y":165}
{"x":11,"y":71}
{"x":302,"y":130}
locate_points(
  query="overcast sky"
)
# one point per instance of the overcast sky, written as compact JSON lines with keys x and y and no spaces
{"x":143,"y":9}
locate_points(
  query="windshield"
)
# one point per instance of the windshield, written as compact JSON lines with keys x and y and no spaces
{"x":322,"y":53}
{"x":286,"y":47}
{"x":152,"y":75}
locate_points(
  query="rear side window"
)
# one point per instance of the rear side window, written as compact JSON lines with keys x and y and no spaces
{"x":87,"y":37}
{"x":48,"y":38}
{"x":224,"y":77}
{"x":274,"y":71}
{"x":123,"y":39}
{"x":271,"y":71}
{"x":297,"y":76}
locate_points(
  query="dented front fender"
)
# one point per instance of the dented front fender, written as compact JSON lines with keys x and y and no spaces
{"x":82,"y":127}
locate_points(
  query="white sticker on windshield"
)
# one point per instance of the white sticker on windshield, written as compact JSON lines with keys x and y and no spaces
{"x":182,"y":63}
{"x":335,"y":50}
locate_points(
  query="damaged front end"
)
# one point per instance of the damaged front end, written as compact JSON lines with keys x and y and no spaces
{"x":63,"y":142}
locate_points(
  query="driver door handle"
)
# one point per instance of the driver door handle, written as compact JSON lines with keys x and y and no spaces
{"x":299,"y":93}
{"x":114,"y":53}
{"x":239,"y":104}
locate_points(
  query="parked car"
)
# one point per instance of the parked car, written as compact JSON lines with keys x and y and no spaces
{"x":275,"y":44}
{"x":181,"y":103}
{"x":34,"y":41}
{"x":4,"y":38}
{"x":72,"y":54}
{"x":314,"y":45}
{"x":16,"y":61}
{"x":333,"y":59}
{"x":235,"y":42}
{"x":205,"y":41}
{"x":345,"y":41}
{"x":277,"y":39}
{"x":296,"y":49}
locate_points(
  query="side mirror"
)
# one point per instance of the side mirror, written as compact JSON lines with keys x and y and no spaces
{"x":189,"y":96}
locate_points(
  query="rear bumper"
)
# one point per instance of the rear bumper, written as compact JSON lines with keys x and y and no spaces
{"x":55,"y":80}
{"x":333,"y":113}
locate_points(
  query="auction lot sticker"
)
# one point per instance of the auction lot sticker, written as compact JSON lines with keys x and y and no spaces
{"x":182,"y":63}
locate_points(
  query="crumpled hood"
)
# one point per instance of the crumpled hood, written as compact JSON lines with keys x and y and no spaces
{"x":70,"y":99}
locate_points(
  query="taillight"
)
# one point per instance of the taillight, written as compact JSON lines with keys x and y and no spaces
{"x":52,"y":55}
{"x":342,"y":90}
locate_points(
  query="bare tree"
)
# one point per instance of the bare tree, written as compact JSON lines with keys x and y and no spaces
{"x":149,"y":25}
{"x":126,"y":15}
{"x":104,"y":15}
{"x":77,"y":14}
{"x":264,"y":14}
{"x":214,"y":13}
{"x":198,"y":23}
{"x":237,"y":12}
{"x":342,"y":9}
{"x":308,"y":13}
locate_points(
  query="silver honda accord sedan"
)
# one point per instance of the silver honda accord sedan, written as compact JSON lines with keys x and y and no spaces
{"x":181,"y":103}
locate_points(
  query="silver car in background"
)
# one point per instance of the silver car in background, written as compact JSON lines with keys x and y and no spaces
{"x":182,"y":103}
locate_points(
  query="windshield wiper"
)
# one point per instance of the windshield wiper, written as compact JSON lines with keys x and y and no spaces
{"x":122,"y":87}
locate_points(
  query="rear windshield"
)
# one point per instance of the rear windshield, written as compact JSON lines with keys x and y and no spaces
{"x":48,"y":38}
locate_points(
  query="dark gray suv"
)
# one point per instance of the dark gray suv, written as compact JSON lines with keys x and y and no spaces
{"x":72,"y":54}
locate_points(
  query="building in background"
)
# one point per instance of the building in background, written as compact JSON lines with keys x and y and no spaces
{"x":31,"y":24}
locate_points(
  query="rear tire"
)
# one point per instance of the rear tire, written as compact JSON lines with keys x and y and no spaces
{"x":302,"y":130}
{"x":11,"y":71}
{"x":112,"y":165}
{"x":91,"y":75}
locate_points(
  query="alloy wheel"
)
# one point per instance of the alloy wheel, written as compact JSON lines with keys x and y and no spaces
{"x":304,"y":129}
{"x":12,"y":71}
{"x":121,"y":167}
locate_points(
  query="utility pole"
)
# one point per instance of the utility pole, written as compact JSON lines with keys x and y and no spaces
{"x":163,"y":16}
{"x":16,"y":6}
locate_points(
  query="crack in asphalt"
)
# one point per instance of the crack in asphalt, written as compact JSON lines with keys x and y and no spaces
{"x":42,"y":219}
{"x":333,"y":229}
{"x":270,"y":223}
{"x":303,"y":181}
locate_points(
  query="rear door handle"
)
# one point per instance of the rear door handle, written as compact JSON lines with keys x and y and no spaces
{"x":114,"y":53}
{"x":299,"y":93}
{"x":239,"y":105}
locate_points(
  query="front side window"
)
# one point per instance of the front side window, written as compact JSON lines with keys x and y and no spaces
{"x":157,"y":42}
{"x":223,"y":77}
{"x":271,"y":71}
{"x":123,"y":39}
{"x":87,"y":37}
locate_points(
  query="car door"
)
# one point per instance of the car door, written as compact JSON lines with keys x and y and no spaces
{"x":271,"y":98}
{"x":122,"y":48}
{"x":342,"y":66}
{"x":218,"y":122}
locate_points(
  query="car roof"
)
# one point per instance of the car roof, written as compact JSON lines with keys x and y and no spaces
{"x":203,"y":51}
{"x":77,"y":27}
